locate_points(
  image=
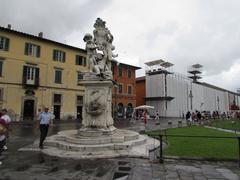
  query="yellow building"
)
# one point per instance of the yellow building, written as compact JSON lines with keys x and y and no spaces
{"x":36,"y":72}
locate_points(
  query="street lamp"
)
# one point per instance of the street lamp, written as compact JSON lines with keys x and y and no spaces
{"x":191,"y":97}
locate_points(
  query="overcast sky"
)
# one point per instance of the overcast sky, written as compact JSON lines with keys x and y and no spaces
{"x":183,"y":32}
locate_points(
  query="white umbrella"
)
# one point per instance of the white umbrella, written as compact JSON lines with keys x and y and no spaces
{"x":144,"y":107}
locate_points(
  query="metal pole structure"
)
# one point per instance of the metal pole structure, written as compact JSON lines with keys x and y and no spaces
{"x":161,"y":150}
{"x":238,"y":150}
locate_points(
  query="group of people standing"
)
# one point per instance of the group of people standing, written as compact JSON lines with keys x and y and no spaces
{"x":198,"y":116}
{"x":193,"y":117}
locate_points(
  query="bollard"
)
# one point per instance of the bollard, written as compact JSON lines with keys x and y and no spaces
{"x":234,"y":126}
{"x":170,"y":124}
{"x":179,"y":123}
{"x":161,"y":149}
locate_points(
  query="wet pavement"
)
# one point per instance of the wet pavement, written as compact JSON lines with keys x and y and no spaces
{"x":24,"y":165}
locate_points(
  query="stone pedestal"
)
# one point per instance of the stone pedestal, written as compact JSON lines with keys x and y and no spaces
{"x":97,"y":107}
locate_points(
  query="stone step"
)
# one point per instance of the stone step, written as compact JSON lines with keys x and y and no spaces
{"x":76,"y":147}
{"x":120,"y":136}
{"x":62,"y":144}
{"x":86,"y":141}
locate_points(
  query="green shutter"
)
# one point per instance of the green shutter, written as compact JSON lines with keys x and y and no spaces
{"x":120,"y":71}
{"x":26,"y":48}
{"x":80,"y":60}
{"x":7,"y":44}
{"x":58,"y":76}
{"x":55,"y":79}
{"x":76,"y":60}
{"x":37,"y":77}
{"x":64,"y":56}
{"x":1,"y":47}
{"x":24,"y":80}
{"x":38,"y":51}
{"x":1,"y":67}
{"x":1,"y":94}
{"x":54,"y":54}
{"x":84,"y":61}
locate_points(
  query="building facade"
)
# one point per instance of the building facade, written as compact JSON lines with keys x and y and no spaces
{"x":36,"y":72}
{"x":140,"y":91}
{"x":173,"y":94}
{"x":124,"y":93}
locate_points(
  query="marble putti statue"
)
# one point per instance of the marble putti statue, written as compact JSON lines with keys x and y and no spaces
{"x":99,"y":81}
{"x":100,"y":50}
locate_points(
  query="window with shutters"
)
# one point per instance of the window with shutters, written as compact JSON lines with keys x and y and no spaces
{"x":57,"y":99}
{"x":80,"y":60}
{"x":129,"y":73}
{"x":129,"y":89}
{"x":79,"y":76}
{"x":120,"y":71}
{"x":120,"y":88}
{"x":1,"y":94}
{"x":4,"y":43}
{"x":79,"y":100}
{"x":30,"y":75}
{"x":58,"y":76}
{"x":1,"y":68}
{"x":32,"y":50}
{"x":59,"y":55}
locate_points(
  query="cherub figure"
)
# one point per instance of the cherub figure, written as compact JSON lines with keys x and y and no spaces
{"x":108,"y":50}
{"x":110,"y":47}
{"x":100,"y":50}
{"x":91,"y":53}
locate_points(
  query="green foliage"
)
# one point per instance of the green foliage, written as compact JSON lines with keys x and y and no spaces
{"x":200,"y":147}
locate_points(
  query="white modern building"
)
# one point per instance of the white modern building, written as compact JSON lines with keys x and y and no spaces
{"x":173,"y":94}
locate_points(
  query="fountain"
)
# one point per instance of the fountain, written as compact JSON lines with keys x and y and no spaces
{"x":98,"y":138}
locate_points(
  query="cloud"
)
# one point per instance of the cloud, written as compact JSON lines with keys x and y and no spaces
{"x":228,"y":79}
{"x":211,"y":39}
{"x":57,"y":19}
{"x":182,"y":32}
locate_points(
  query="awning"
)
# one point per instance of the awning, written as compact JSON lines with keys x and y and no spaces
{"x":144,"y":107}
{"x":155,"y":62}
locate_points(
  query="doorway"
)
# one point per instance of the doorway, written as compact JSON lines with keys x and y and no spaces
{"x":79,"y":112}
{"x":57,"y":111}
{"x":28,"y":111}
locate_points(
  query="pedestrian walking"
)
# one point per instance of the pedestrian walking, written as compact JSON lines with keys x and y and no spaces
{"x":157,"y":118}
{"x":7,"y":119}
{"x":45,"y":119}
{"x":4,"y":128}
{"x":145,"y":117}
{"x":189,"y":118}
{"x":199,"y":117}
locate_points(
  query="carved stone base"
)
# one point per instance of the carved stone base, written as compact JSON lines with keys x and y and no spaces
{"x":95,"y":132}
{"x":97,"y":104}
